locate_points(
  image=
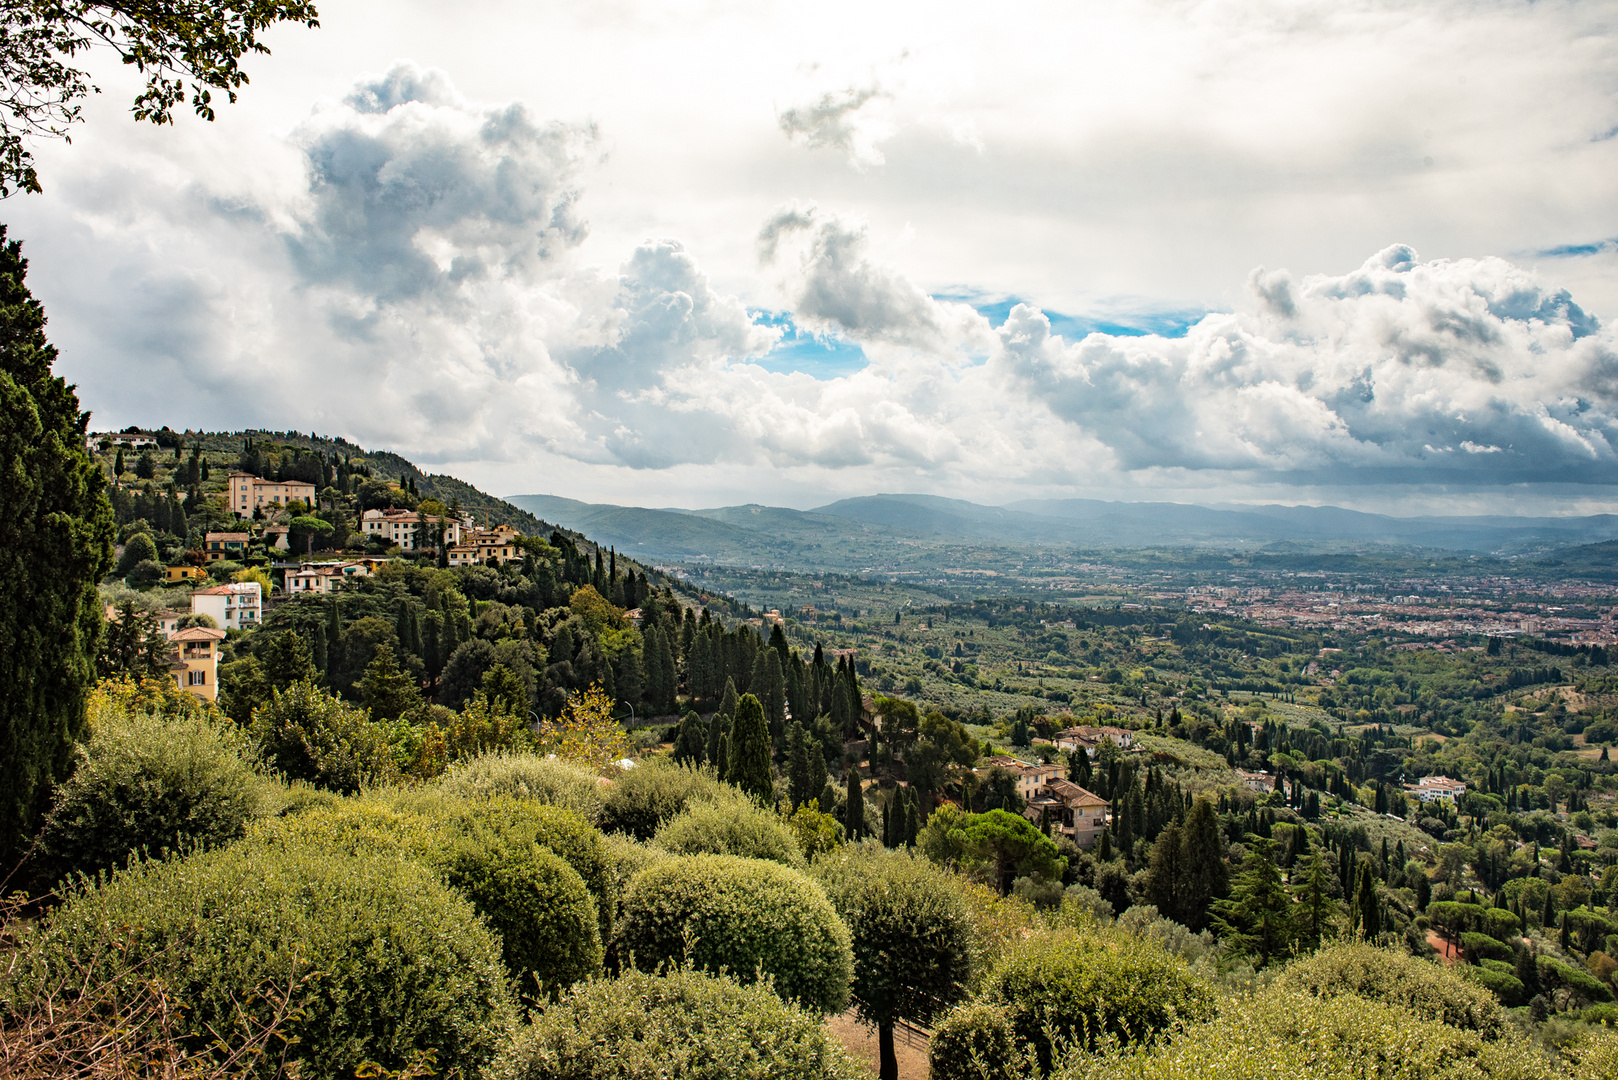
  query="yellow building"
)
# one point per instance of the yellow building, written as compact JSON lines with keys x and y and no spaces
{"x":173,"y":574}
{"x":196,"y":663}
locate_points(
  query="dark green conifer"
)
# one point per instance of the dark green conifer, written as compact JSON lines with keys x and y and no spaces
{"x":854,"y":806}
{"x":56,"y":532}
{"x":749,"y":766}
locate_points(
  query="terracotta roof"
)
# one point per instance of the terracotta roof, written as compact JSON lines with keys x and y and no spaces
{"x":197,"y":633}
{"x":1073,"y":794}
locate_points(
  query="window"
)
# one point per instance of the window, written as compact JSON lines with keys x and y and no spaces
{"x":196,"y":678}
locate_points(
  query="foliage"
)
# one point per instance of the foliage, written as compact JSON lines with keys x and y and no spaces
{"x":401,"y":964}
{"x":730,"y":826}
{"x":586,"y":733}
{"x":1282,"y":1031}
{"x":1004,"y":846}
{"x":749,"y":764}
{"x":975,"y":1042}
{"x":641,"y":799}
{"x":310,"y":735}
{"x":682,"y":1023}
{"x":526,"y":776}
{"x":1258,"y":920}
{"x":55,"y":544}
{"x":746,"y":917}
{"x":1085,"y":986}
{"x":912,"y":936}
{"x":185,"y":49}
{"x":816,"y":833}
{"x":1415,"y":985}
{"x":150,"y":780}
{"x":546,"y":919}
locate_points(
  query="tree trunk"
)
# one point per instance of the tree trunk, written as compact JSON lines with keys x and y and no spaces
{"x":888,"y":1068}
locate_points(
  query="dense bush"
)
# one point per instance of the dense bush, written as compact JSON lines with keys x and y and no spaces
{"x":1283,"y":1031}
{"x":310,"y":735}
{"x":742,"y":916}
{"x":355,"y":827}
{"x":1422,"y":987}
{"x":537,"y":903}
{"x":527,"y":776}
{"x":730,"y":826}
{"x":557,"y":828}
{"x":1084,"y":985}
{"x":683,"y":1024}
{"x":975,"y":1042}
{"x":646,"y":796}
{"x":393,"y":963}
{"x":149,"y":781}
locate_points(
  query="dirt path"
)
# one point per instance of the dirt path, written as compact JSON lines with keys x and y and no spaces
{"x":859,"y":1040}
{"x":1449,"y":952}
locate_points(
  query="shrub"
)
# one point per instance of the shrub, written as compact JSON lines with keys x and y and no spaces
{"x":1144,"y":921}
{"x":312,"y":736}
{"x":644,"y":797}
{"x":1388,"y":975}
{"x":355,"y":827}
{"x":1083,"y":985}
{"x":732,"y":826}
{"x":1284,"y":1031}
{"x":684,"y":1023}
{"x":150,"y":781}
{"x":743,"y":916}
{"x":1500,"y":923}
{"x":1595,"y":1057}
{"x":974,"y":1042}
{"x":560,"y":830}
{"x":527,"y":776}
{"x":398,"y":965}
{"x":536,"y":902}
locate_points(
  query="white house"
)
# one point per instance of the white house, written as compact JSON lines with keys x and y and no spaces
{"x":1429,"y":788}
{"x":1089,"y":738}
{"x":237,"y":605}
{"x":1030,"y":777}
{"x":410,"y":530}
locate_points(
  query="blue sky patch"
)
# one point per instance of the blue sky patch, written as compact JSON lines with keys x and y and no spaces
{"x":1169,"y":324}
{"x":1574,"y":251}
{"x":824,"y":357}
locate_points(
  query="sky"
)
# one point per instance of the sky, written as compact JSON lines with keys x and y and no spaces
{"x":697,"y":254}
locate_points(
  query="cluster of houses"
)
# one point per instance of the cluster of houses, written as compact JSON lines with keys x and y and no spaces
{"x":1050,"y":800}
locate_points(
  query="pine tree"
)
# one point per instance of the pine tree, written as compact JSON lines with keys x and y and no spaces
{"x":386,"y":690}
{"x":1206,"y":878}
{"x":749,"y":765}
{"x":1316,"y":908}
{"x":56,"y":532}
{"x":1257,"y":920}
{"x":854,"y":808}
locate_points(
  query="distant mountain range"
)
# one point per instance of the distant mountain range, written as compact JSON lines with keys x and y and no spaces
{"x":851,"y":533}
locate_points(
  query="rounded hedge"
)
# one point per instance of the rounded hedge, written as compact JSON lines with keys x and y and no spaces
{"x":392,"y":962}
{"x":912,"y":933}
{"x":974,"y":1042}
{"x":537,"y":904}
{"x":1094,"y":983}
{"x":149,"y":782}
{"x":1281,"y":1031}
{"x":557,"y":828}
{"x":736,"y":826}
{"x":526,"y":776}
{"x":653,"y":792}
{"x":686,"y":1024}
{"x":1393,"y":976}
{"x":744,"y":917}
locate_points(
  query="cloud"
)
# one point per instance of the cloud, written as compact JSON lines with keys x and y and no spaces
{"x":853,"y":121}
{"x":1377,"y":375}
{"x":834,"y":284}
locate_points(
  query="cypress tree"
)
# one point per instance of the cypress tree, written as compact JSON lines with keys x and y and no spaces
{"x":668,"y":673}
{"x":651,"y":648}
{"x":854,"y":809}
{"x":1205,"y":875}
{"x":749,"y":767}
{"x":56,"y":532}
{"x":798,"y":776}
{"x":716,"y":733}
{"x":728,"y":700}
{"x":1367,"y":910}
